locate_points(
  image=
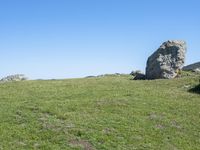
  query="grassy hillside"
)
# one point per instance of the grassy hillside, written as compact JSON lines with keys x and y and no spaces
{"x":111,"y":113}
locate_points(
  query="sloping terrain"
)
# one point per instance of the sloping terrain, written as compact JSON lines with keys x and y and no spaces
{"x":111,"y":112}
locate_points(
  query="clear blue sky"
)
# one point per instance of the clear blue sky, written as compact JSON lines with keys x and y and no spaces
{"x":76,"y":38}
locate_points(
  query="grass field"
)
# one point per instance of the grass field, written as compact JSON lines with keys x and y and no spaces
{"x":105,"y":113}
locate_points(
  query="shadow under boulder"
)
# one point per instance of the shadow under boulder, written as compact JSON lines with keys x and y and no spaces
{"x":195,"y":89}
{"x":139,"y":76}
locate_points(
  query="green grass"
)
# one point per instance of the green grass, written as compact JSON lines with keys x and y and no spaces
{"x":111,"y":113}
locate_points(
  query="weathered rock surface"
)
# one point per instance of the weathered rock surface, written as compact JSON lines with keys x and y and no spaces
{"x":193,"y":67}
{"x":17,"y":77}
{"x":167,"y":61}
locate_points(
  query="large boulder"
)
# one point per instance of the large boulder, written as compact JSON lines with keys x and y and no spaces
{"x":167,"y":61}
{"x":193,"y":67}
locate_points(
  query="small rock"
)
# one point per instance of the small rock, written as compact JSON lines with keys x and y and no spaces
{"x":133,"y":73}
{"x":139,"y":76}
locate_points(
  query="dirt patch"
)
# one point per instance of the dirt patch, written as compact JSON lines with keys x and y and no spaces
{"x":175,"y":124}
{"x":82,"y":143}
{"x":154,"y":116}
{"x":159,"y":126}
{"x":52,"y":122}
{"x":108,"y":131}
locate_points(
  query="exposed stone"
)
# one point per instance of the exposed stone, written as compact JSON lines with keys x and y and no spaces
{"x":139,"y":76}
{"x":134,"y":73}
{"x":17,"y":77}
{"x":193,"y":67}
{"x":167,"y":61}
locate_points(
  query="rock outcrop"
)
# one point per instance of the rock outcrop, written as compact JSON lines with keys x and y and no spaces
{"x":17,"y":77}
{"x":193,"y":67}
{"x":167,"y":61}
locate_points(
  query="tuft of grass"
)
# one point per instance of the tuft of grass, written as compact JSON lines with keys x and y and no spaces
{"x":108,"y":112}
